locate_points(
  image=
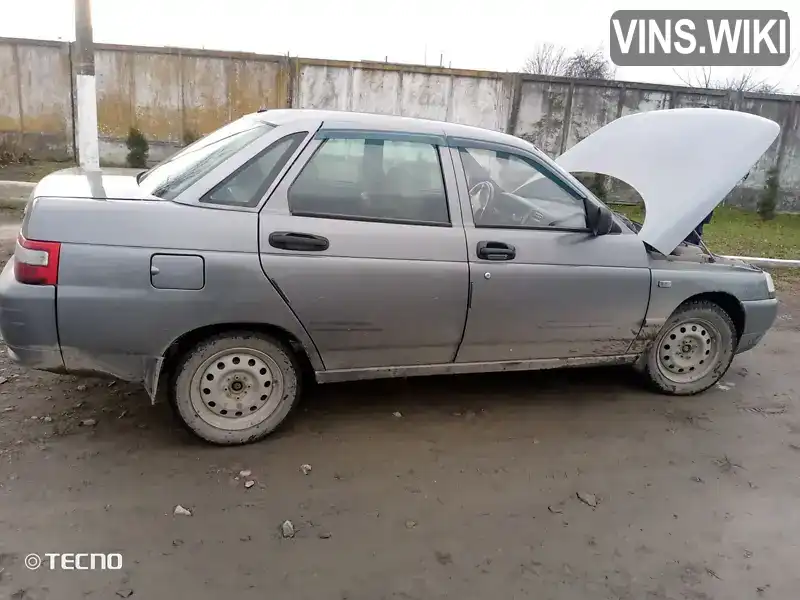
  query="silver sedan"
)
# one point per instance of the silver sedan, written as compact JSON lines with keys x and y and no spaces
{"x":351,"y":246}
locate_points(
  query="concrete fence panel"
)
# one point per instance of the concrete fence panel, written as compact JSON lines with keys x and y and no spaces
{"x":481,"y":101}
{"x":377,"y":91}
{"x":255,"y":83}
{"x":115,"y":94}
{"x":324,"y":87}
{"x":204,"y":86}
{"x":425,"y":95}
{"x":157,"y":96}
{"x":542,"y":113}
{"x":10,"y":120}
{"x":467,"y":97}
{"x":35,"y":97}
{"x":592,"y":107}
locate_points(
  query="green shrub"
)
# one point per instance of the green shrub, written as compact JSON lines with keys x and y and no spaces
{"x":768,"y":201}
{"x":138,"y":149}
{"x":190,"y":137}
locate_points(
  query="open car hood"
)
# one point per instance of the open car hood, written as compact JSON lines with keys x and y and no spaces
{"x":682,"y":162}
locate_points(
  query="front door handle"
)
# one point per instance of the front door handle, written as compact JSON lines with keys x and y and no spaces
{"x":291,"y":240}
{"x":496,"y":251}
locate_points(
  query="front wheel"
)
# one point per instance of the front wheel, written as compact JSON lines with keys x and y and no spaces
{"x":236,"y":388}
{"x":693,"y":350}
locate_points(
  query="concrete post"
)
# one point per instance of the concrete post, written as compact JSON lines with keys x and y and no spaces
{"x":86,"y":88}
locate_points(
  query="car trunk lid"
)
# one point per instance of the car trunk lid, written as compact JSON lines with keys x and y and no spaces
{"x":105,"y":184}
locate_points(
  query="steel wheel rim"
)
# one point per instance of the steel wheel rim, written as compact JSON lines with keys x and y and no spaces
{"x":236,"y":388}
{"x":688,"y":351}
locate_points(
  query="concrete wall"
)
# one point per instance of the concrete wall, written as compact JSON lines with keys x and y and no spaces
{"x":36,"y":98}
{"x":471,"y":97}
{"x":171,"y":93}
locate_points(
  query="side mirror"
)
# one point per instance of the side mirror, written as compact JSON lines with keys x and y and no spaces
{"x":601,"y":221}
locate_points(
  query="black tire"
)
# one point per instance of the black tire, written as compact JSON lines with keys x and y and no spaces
{"x":206,"y":401}
{"x":669,"y":369}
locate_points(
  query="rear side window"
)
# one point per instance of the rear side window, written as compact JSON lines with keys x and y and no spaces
{"x":372,"y":180}
{"x":248,"y":185}
{"x":170,"y":178}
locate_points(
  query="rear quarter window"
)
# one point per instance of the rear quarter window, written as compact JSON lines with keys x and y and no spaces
{"x":247,"y":186}
{"x":170,"y":178}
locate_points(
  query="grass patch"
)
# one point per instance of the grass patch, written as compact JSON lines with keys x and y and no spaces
{"x":741,"y":233}
{"x":737,"y":232}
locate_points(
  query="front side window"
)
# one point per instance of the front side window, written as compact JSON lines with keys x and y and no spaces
{"x":248,"y":185}
{"x":506,"y":190}
{"x":372,"y":180}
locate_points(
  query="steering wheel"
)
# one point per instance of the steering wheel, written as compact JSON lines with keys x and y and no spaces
{"x":539,"y":218}
{"x":476,"y":194}
{"x":534,"y":217}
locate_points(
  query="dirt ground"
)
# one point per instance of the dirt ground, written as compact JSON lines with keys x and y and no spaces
{"x":469,"y":491}
{"x":31,"y":172}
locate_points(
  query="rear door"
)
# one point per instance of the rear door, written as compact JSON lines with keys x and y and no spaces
{"x":542,"y":285}
{"x":364,"y":238}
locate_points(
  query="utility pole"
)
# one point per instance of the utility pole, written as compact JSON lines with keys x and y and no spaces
{"x":88,"y":146}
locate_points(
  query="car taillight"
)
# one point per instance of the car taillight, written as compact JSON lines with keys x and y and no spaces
{"x":36,"y":263}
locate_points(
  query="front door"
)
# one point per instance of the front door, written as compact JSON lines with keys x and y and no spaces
{"x":542,"y":285}
{"x":364,"y":240}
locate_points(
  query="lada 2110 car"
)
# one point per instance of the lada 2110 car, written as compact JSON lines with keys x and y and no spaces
{"x":355,"y":246}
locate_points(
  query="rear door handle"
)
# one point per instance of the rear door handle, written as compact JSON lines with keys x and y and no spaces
{"x":291,"y":240}
{"x":496,"y":251}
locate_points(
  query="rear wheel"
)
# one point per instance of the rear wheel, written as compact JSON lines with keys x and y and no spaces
{"x":693,"y":350}
{"x":236,"y":388}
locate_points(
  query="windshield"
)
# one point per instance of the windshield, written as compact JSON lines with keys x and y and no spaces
{"x":174,"y":175}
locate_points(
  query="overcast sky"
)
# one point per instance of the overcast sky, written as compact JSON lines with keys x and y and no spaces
{"x":478,"y":34}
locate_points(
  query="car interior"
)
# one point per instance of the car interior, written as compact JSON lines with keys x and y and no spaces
{"x":369,"y":184}
{"x":518,"y":195}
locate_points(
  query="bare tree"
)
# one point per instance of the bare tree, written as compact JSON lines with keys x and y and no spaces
{"x":747,"y":81}
{"x":549,"y":59}
{"x":585,"y":64}
{"x":697,"y":79}
{"x":546,"y":59}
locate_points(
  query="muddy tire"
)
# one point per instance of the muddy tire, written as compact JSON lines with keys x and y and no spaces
{"x":692,"y":351}
{"x":235,"y":388}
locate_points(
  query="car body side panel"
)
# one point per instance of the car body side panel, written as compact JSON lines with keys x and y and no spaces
{"x":565,"y":293}
{"x":383,"y":294}
{"x":111,"y":318}
{"x":676,"y":281}
{"x":547,"y":304}
{"x":28,"y":321}
{"x":368,"y":312}
{"x":108,"y":311}
{"x":139,"y":224}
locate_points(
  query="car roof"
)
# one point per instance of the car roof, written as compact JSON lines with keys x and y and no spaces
{"x":339,"y":119}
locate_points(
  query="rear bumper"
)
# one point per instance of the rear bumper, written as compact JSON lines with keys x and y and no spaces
{"x":759,"y":315}
{"x":28,"y":322}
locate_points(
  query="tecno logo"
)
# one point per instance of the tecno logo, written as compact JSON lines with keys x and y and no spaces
{"x":700,"y":38}
{"x":74,"y":561}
